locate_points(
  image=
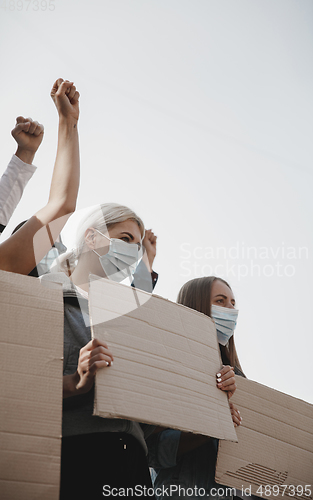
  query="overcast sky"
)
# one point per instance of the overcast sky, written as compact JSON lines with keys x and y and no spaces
{"x":198,"y":115}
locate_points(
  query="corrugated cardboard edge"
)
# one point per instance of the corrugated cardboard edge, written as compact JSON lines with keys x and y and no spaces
{"x":30,"y":453}
{"x":273,"y":465}
{"x":231,"y":436}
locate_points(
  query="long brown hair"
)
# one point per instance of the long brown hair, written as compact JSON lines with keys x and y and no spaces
{"x":196,"y":294}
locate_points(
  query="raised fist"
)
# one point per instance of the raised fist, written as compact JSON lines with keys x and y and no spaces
{"x":65,"y":97}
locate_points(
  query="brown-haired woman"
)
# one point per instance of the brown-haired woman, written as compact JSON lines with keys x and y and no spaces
{"x":203,"y":293}
{"x":186,"y":460}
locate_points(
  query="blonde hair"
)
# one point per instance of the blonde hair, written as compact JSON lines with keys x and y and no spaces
{"x":102,"y":217}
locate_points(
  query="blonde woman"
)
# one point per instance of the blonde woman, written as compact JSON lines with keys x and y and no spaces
{"x":104,"y":453}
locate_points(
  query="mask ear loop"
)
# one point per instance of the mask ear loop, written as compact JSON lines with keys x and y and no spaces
{"x":101,"y":235}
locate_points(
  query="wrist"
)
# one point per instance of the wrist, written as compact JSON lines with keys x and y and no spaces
{"x":68,"y":122}
{"x":70,"y":383}
{"x":25,"y":155}
{"x":67,"y":129}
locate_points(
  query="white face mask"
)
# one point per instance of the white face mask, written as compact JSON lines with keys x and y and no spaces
{"x":121,"y":260}
{"x":225,"y":320}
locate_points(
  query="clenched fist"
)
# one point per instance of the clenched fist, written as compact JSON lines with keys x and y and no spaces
{"x":28,"y":135}
{"x":65,"y":97}
{"x":150,"y":242}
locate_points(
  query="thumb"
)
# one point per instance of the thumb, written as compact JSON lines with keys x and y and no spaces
{"x":64,"y":87}
{"x":56,"y":86}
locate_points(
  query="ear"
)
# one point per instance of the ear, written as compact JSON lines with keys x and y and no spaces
{"x":90,"y":238}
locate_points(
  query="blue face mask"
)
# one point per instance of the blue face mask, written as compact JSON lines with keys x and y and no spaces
{"x":121,"y":260}
{"x":225,"y":320}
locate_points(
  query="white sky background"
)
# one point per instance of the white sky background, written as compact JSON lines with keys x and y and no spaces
{"x":198,"y":115}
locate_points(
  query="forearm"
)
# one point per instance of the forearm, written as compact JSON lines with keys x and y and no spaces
{"x":147,"y":262}
{"x":65,"y":179}
{"x":69,"y":385}
{"x":25,"y":155}
{"x":12,"y":185}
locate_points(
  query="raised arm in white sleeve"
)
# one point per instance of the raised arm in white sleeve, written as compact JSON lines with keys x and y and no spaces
{"x":28,"y":135}
{"x":22,"y":251}
{"x":12,"y":185}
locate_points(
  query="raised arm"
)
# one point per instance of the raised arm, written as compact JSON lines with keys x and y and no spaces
{"x":144,"y":277}
{"x":65,"y":180}
{"x":28,"y":135}
{"x":23,"y":250}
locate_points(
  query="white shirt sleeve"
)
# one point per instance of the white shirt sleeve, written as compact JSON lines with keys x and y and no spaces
{"x":12,"y":185}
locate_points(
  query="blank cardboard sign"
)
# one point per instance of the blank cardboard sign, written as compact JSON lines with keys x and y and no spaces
{"x":275,"y":445}
{"x":31,"y":369}
{"x":165,"y":362}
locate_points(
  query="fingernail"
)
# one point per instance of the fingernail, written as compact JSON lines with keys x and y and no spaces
{"x":219,"y":380}
{"x":218,"y":374}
